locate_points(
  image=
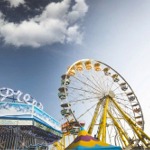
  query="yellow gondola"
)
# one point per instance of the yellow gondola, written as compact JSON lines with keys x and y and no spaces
{"x":88,"y":65}
{"x":71,"y":71}
{"x":97,"y":67}
{"x":79,"y":66}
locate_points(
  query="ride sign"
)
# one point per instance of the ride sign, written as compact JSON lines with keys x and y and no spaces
{"x":9,"y":94}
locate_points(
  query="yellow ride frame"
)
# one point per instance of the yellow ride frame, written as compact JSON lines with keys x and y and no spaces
{"x":139,"y":132}
{"x":90,"y":130}
{"x":102,"y":127}
{"x":101,"y":135}
{"x":123,"y":135}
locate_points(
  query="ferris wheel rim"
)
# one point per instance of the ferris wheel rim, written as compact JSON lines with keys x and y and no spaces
{"x":131,"y":103}
{"x":88,"y":59}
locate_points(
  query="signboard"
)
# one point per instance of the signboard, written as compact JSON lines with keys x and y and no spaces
{"x":7,"y":94}
{"x":15,"y":110}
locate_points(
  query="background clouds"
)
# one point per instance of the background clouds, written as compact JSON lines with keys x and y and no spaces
{"x":58,"y":23}
{"x":115,"y":32}
{"x":15,"y":3}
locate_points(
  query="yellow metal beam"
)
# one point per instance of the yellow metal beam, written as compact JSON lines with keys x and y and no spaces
{"x":139,"y":132}
{"x":57,"y":146}
{"x":102,"y":128}
{"x":64,"y":141}
{"x":123,"y":135}
{"x":93,"y":122}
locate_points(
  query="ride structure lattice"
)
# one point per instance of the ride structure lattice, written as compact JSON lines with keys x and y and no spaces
{"x":95,"y":95}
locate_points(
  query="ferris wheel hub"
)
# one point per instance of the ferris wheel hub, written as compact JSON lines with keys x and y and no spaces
{"x":111,"y":94}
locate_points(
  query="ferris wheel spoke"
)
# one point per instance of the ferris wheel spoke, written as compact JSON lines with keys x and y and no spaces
{"x":117,"y":116}
{"x":85,"y":83}
{"x":86,"y":99}
{"x":86,"y":111}
{"x":116,"y":88}
{"x":79,"y":89}
{"x":125,"y":100}
{"x":106,"y":81}
{"x":84,"y":96}
{"x":122,"y":94}
{"x":119,"y":140}
{"x":125,"y":106}
{"x":99,"y":87}
{"x":109,"y":134}
{"x":82,"y":102}
{"x":98,"y":82}
{"x":102,"y":83}
{"x":109,"y":84}
{"x":123,"y":113}
{"x":105,"y":84}
{"x":116,"y":138}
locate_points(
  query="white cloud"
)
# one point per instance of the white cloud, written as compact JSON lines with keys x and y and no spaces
{"x":53,"y":25}
{"x":34,"y":34}
{"x":55,"y":10}
{"x":78,"y":10}
{"x":74,"y":35}
{"x":15,"y":3}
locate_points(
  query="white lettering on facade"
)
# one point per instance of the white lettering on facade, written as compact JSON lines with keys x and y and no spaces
{"x":18,"y":96}
{"x":5,"y":93}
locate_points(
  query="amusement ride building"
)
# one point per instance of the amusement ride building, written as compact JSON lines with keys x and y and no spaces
{"x":23,"y":123}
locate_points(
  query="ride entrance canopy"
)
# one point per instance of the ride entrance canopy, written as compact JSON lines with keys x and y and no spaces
{"x":95,"y":93}
{"x":23,"y":123}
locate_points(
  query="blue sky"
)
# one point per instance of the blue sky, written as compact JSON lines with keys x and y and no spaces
{"x":114,"y":32}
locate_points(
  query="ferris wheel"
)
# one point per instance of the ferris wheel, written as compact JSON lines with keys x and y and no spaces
{"x":95,"y":96}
